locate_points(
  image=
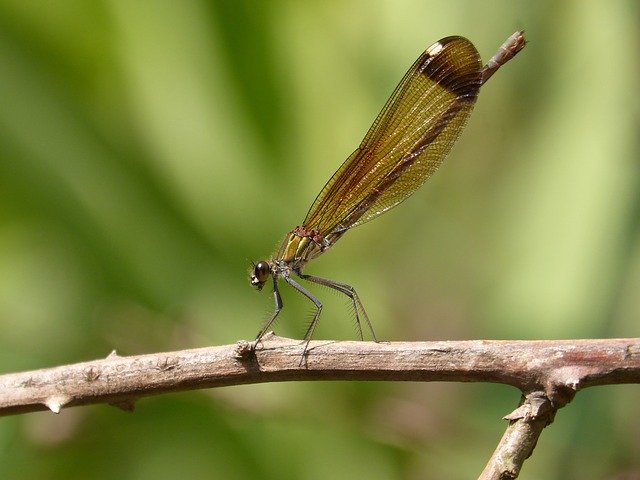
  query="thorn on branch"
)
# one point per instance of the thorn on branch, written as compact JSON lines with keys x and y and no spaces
{"x":56,"y":402}
{"x":533,"y":406}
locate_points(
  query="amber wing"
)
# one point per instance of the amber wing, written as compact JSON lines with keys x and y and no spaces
{"x":408,"y":141}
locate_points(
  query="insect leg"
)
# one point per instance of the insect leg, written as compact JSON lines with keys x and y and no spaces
{"x":278,"y":302}
{"x":316,"y":316}
{"x":350,"y":292}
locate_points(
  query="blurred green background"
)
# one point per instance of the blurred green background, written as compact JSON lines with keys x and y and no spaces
{"x":149,"y":150}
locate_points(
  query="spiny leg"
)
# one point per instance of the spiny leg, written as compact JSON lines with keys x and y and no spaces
{"x":278,"y":302}
{"x":350,"y":292}
{"x":316,"y":316}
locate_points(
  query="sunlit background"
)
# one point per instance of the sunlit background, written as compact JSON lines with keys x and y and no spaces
{"x":149,"y":150}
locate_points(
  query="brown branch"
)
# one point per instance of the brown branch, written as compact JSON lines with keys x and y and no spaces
{"x":525,"y":426}
{"x":556,"y":368}
{"x":549,"y":373}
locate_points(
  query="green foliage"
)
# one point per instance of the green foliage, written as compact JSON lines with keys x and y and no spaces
{"x":150,"y":150}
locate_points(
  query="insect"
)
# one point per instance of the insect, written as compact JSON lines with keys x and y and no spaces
{"x":406,"y":144}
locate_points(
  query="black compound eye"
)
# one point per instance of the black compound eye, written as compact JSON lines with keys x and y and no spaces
{"x":260,"y":274}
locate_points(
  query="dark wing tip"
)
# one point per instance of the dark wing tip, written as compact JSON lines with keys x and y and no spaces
{"x":453,"y":63}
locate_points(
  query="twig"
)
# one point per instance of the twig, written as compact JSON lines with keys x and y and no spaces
{"x":549,"y":373}
{"x":525,"y":426}
{"x":557,"y":368}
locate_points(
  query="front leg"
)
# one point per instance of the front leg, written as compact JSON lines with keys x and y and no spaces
{"x":278,"y":302}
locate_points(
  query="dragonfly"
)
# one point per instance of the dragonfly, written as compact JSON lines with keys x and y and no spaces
{"x":406,"y":144}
